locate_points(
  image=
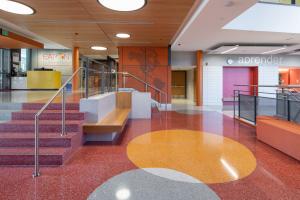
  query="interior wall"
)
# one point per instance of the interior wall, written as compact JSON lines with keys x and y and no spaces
{"x":59,"y":60}
{"x":268,"y":76}
{"x":213,"y":83}
{"x":150,"y":64}
{"x":289,"y":76}
{"x":190,"y":89}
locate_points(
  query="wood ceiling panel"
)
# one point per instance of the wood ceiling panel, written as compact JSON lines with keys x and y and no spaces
{"x":59,"y":20}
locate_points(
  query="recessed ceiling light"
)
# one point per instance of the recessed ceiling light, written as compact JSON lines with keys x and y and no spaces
{"x":230,"y":50}
{"x":123,"y":5}
{"x":98,"y":48}
{"x":123,"y":35}
{"x":16,"y":7}
{"x":275,"y":50}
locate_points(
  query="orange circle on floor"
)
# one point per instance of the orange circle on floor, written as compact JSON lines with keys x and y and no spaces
{"x":208,"y":157}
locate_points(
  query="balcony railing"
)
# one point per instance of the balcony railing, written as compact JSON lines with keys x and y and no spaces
{"x":284,"y":103}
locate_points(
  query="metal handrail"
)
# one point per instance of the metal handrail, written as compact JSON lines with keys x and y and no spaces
{"x":147,"y":85}
{"x":36,"y":120}
{"x":61,"y":90}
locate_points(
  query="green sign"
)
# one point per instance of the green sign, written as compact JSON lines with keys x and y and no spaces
{"x":4,"y":32}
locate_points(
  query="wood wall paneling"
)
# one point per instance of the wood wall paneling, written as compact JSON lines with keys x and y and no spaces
{"x":149,"y":64}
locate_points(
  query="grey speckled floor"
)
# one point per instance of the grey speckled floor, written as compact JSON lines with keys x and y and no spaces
{"x":141,"y":185}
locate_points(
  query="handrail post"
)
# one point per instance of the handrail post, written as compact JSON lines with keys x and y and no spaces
{"x":124,"y":80}
{"x":255,"y":108}
{"x":63,"y":113}
{"x":117,"y":87}
{"x":166,"y":102}
{"x":239,"y":102}
{"x":234,"y":103}
{"x":36,"y":172}
{"x":86,"y":82}
{"x":159,"y":100}
{"x":288,"y":108}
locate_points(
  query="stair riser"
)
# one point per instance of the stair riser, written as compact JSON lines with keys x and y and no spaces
{"x":53,"y":160}
{"x":42,"y":128}
{"x":47,"y":116}
{"x":50,"y":107}
{"x":29,"y":142}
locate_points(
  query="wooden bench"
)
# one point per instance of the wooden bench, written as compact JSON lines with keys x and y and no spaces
{"x":280,"y":134}
{"x":115,"y":121}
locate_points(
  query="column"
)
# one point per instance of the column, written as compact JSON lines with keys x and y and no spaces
{"x":76,"y":65}
{"x":199,"y":79}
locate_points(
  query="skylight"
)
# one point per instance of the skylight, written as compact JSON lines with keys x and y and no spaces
{"x":268,"y":18}
{"x":284,"y":2}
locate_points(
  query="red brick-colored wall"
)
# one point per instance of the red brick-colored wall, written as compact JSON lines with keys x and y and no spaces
{"x":149,"y":64}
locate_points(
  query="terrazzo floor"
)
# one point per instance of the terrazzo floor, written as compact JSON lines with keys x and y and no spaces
{"x":95,"y":169}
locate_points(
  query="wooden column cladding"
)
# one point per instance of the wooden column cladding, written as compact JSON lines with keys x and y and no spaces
{"x":76,"y":65}
{"x":199,"y":79}
{"x":10,"y":40}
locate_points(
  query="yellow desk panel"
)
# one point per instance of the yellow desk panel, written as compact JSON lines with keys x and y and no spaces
{"x":43,"y":80}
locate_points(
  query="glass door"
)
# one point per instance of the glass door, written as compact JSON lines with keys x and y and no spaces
{"x":5,"y":73}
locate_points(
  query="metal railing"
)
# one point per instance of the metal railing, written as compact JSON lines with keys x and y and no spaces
{"x":63,"y":109}
{"x":61,"y":91}
{"x":147,"y":85}
{"x":281,"y":103}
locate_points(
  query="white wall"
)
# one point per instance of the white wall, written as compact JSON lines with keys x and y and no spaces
{"x":268,"y":75}
{"x":212,"y":85}
{"x":59,"y":60}
{"x":190,"y":85}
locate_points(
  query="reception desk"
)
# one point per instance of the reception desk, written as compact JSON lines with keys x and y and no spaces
{"x":46,"y":80}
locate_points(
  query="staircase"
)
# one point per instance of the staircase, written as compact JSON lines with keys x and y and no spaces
{"x":17,"y":135}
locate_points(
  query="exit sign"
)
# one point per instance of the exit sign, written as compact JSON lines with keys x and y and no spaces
{"x":4,"y":32}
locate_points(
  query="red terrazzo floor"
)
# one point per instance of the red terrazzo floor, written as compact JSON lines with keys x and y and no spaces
{"x":277,"y":176}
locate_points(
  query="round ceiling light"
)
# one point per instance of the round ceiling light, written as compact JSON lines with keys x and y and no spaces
{"x":123,"y":35}
{"x":16,"y":7}
{"x":123,"y":5}
{"x":98,"y":48}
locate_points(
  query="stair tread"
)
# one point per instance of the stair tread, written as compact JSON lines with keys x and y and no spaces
{"x":30,"y":150}
{"x":43,"y":122}
{"x":48,"y":111}
{"x":13,"y":135}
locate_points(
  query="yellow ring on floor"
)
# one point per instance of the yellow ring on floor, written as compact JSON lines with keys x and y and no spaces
{"x":208,"y":157}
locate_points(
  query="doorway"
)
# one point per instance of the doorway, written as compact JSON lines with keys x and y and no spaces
{"x":238,"y":76}
{"x":179,"y":85}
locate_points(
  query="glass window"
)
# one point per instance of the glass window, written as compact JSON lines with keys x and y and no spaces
{"x":25,"y":60}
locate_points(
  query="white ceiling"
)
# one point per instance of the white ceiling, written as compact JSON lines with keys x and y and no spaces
{"x":268,"y":18}
{"x":205,"y":30}
{"x":248,"y":50}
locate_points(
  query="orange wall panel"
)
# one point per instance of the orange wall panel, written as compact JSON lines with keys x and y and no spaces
{"x":294,"y":76}
{"x":139,"y":72}
{"x":149,"y":64}
{"x":157,"y":56}
{"x":133,"y":56}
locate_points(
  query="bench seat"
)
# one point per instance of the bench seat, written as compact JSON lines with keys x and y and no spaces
{"x":280,"y":134}
{"x":115,"y":121}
